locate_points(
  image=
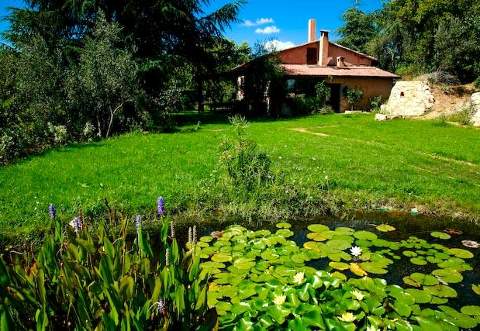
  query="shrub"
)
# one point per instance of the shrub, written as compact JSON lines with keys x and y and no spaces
{"x":59,"y":133}
{"x":376,"y":103}
{"x":442,"y":77}
{"x":476,"y":83}
{"x":246,"y":167}
{"x":463,"y":117}
{"x":353,"y":95}
{"x":322,"y":94}
{"x":102,"y":280}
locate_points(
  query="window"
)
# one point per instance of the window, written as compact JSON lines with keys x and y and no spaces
{"x":312,"y":55}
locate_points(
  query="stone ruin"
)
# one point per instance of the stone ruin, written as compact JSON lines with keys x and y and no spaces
{"x":409,"y":99}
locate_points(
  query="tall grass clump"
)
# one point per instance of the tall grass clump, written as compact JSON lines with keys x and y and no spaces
{"x":102,"y":278}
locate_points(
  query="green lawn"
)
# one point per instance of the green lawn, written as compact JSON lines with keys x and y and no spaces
{"x":403,"y":161}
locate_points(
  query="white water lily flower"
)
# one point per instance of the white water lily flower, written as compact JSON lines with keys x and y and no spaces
{"x":299,"y":277}
{"x":279,"y":299}
{"x":356,"y":251}
{"x":347,"y":317}
{"x":371,"y":328}
{"x":358,"y":295}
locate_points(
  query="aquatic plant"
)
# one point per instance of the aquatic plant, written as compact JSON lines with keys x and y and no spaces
{"x":52,"y":211}
{"x":102,"y":280}
{"x":263,"y":279}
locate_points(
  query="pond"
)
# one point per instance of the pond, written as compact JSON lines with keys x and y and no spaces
{"x":372,"y":272}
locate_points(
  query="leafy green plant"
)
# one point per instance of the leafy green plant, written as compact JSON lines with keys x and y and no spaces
{"x":353,"y":95}
{"x":246,"y":167}
{"x":100,"y":278}
{"x":322,"y":94}
{"x":476,"y":83}
{"x":376,"y":103}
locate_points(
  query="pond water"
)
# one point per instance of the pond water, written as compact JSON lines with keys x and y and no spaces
{"x":425,"y":257}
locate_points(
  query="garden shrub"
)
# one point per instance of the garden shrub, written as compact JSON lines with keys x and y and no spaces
{"x":102,"y":279}
{"x":476,"y":83}
{"x":376,"y":103}
{"x":353,"y":95}
{"x":322,"y":94}
{"x":247,"y":167}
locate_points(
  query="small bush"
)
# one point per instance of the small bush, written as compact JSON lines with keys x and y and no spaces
{"x":376,"y":103}
{"x":443,"y":78}
{"x":463,"y":117}
{"x":246,"y":167}
{"x":353,"y":95}
{"x":476,"y":83}
{"x":322,"y":94}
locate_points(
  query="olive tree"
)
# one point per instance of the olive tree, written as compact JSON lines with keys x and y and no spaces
{"x":104,"y":80}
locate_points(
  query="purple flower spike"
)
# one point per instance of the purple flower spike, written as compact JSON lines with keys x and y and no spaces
{"x":76,"y":224}
{"x":160,"y":207}
{"x":52,"y":211}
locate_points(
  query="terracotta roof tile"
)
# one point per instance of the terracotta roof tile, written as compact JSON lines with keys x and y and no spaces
{"x":353,"y":71}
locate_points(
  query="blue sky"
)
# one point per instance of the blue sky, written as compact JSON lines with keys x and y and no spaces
{"x":282,"y":22}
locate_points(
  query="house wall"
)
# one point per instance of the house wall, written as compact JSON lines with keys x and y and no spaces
{"x":350,"y":57}
{"x":371,"y":86}
{"x":297,"y":55}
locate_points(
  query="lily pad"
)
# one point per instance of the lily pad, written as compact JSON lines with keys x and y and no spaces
{"x":339,"y":244}
{"x":357,"y":270}
{"x":471,"y":310}
{"x":476,"y":289}
{"x":243,"y":264}
{"x":318,"y":236}
{"x":339,"y":265}
{"x":418,"y":261}
{"x":441,"y":291}
{"x":420,"y":279}
{"x":221,"y":257}
{"x":419,"y":295}
{"x":365,"y":235}
{"x":385,"y":228}
{"x":284,"y":225}
{"x":318,"y":228}
{"x":461,"y":253}
{"x":448,"y":275}
{"x":440,"y":235}
{"x":409,"y":254}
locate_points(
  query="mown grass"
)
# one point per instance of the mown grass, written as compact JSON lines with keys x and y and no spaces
{"x":401,"y":163}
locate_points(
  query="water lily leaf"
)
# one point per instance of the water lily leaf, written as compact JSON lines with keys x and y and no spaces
{"x":243,"y":263}
{"x":339,"y":244}
{"x":365,"y":235}
{"x":357,"y":270}
{"x":438,"y":301}
{"x":471,"y":310}
{"x":402,"y":308}
{"x":409,"y":254}
{"x":448,"y":275}
{"x":339,"y":276}
{"x":284,"y":225}
{"x":418,"y":261}
{"x":373,"y":268}
{"x":339,"y":265}
{"x":223,"y":307}
{"x":476,"y":289}
{"x":441,"y":291}
{"x":440,"y":235}
{"x":285,"y":233}
{"x":459,"y":319}
{"x":221,"y":257}
{"x":318,"y":228}
{"x":318,"y":236}
{"x":385,"y":228}
{"x":423,"y":279}
{"x":419,"y":295}
{"x":460,"y":253}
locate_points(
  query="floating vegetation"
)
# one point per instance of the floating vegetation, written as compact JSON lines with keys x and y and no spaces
{"x":470,"y":244}
{"x":264,"y":279}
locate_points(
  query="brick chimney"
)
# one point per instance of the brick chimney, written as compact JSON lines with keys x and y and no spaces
{"x":312,"y":30}
{"x":323,"y":51}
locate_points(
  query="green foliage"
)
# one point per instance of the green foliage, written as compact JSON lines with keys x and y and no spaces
{"x":414,"y":37}
{"x":353,"y":95}
{"x":105,"y":79}
{"x":376,"y":103}
{"x":476,"y":83}
{"x":248,"y":169}
{"x":263,"y":278}
{"x":322,"y":94}
{"x":97,"y":278}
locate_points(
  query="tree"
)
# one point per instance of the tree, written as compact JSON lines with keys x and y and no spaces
{"x":358,"y":29}
{"x":105,"y":79}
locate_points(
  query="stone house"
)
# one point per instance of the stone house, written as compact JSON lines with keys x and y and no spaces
{"x":340,"y":67}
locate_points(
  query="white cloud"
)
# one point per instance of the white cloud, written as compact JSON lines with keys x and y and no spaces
{"x":268,"y":30}
{"x":257,"y":22}
{"x":261,"y":21}
{"x":277,"y":45}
